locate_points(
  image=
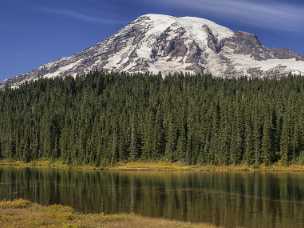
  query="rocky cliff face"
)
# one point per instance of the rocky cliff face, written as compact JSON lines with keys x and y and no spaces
{"x":159,"y":43}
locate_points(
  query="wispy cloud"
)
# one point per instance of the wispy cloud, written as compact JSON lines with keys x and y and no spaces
{"x":80,"y":16}
{"x":267,"y":14}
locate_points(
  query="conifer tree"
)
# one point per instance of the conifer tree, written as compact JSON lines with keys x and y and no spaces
{"x":105,"y":118}
{"x":266,"y":143}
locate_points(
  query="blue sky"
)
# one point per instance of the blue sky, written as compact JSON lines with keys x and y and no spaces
{"x":34,"y":32}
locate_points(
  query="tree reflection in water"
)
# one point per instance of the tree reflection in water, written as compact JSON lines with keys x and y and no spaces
{"x":238,"y":199}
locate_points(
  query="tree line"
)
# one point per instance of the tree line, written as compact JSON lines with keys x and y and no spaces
{"x":103,"y":118}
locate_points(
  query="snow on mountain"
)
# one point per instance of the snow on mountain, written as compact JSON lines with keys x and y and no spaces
{"x":160,"y":43}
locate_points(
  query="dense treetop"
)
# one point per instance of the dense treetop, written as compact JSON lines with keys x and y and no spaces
{"x":104,"y":118}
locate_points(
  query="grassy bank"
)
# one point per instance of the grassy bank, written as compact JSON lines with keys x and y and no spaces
{"x":46,"y":164}
{"x":154,"y":166}
{"x":165,"y":166}
{"x":25,"y":214}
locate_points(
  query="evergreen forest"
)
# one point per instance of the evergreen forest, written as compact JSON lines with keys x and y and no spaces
{"x":103,"y":118}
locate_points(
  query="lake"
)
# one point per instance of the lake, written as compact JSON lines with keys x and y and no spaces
{"x":227,"y":199}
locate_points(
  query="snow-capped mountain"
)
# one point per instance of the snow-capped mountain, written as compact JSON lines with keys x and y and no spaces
{"x":160,"y":43}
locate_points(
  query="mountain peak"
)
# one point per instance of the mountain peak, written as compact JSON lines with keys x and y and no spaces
{"x":194,"y":23}
{"x":160,"y":43}
{"x":155,"y":16}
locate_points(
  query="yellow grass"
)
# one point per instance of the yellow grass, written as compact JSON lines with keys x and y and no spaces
{"x":46,"y":164}
{"x":22,"y":213}
{"x":19,"y":203}
{"x":155,"y":166}
{"x":167,"y":166}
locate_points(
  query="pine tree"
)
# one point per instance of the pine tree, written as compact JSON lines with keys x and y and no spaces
{"x":105,"y":118}
{"x":266,"y":143}
{"x":134,"y":150}
{"x":284,"y":145}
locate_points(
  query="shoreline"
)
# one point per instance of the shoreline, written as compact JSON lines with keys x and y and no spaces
{"x":24,"y":213}
{"x":153,"y":166}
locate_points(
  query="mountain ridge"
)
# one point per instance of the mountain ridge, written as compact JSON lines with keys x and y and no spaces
{"x":156,"y":43}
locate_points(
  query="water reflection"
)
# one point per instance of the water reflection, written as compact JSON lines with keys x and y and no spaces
{"x":248,"y":200}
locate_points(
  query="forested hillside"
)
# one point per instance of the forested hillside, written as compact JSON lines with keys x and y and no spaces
{"x":105,"y":118}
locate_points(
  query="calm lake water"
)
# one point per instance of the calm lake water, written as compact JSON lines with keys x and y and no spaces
{"x":230,"y":200}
